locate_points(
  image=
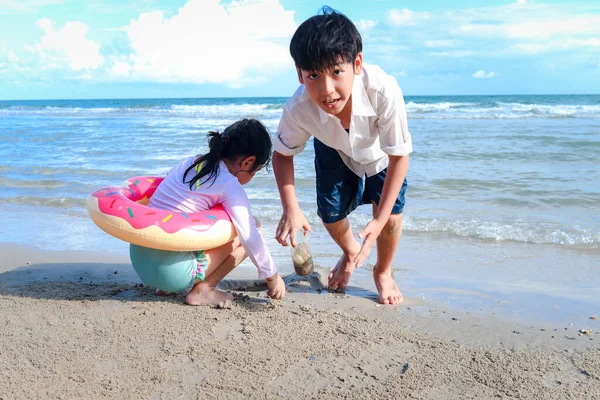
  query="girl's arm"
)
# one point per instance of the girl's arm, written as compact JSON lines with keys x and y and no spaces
{"x":236,"y":203}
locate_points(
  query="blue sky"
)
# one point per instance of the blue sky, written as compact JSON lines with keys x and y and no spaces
{"x":210,"y":48}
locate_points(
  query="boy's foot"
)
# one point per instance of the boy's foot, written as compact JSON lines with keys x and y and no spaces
{"x":388,"y":291}
{"x":340,"y":275}
{"x":202,"y":294}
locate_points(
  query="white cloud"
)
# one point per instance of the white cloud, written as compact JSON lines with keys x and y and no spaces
{"x":506,"y":30}
{"x":521,"y":1}
{"x":406,"y":17}
{"x":533,"y":24}
{"x":556,"y":45}
{"x":206,"y":42}
{"x":120,"y":69}
{"x":481,"y":74}
{"x":364,"y":26}
{"x":67,"y":45}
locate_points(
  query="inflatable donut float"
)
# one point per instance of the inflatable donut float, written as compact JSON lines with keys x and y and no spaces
{"x":123,"y":213}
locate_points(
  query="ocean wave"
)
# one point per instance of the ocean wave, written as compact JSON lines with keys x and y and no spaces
{"x":31,"y":184}
{"x":271,"y":108}
{"x":205,"y":110}
{"x":488,"y":230}
{"x":517,"y":231}
{"x":433,"y":107}
{"x":224,"y":111}
{"x":51,"y":202}
{"x":500,"y":110}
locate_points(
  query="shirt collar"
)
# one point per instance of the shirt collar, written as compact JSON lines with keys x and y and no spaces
{"x":361,"y":106}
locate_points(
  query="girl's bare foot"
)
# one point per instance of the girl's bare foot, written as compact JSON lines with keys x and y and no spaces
{"x":202,"y":294}
{"x":388,"y":291}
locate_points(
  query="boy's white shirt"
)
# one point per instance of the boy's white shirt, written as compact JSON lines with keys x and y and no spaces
{"x":378,"y":126}
{"x":173,"y":194}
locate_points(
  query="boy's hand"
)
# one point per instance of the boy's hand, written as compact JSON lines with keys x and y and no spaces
{"x":370,"y":234}
{"x":289,"y":224}
{"x":276,"y":287}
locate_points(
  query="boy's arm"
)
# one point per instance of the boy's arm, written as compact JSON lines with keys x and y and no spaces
{"x":394,"y":178}
{"x":396,"y":142}
{"x":292,"y":218}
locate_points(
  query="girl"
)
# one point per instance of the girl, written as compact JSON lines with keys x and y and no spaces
{"x":198,"y":183}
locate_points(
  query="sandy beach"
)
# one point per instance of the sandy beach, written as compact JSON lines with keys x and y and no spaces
{"x":495,"y":105}
{"x":74,"y":327}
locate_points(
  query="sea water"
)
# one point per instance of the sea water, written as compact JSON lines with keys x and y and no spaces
{"x":491,"y":178}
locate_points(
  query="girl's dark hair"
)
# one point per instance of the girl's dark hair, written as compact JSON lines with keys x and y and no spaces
{"x":322,"y":41}
{"x":244,"y":138}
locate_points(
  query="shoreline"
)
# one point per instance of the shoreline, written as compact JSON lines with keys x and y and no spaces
{"x":73,"y":327}
{"x":522,"y":281}
{"x":25,"y":266}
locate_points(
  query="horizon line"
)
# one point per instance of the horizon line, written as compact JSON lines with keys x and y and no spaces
{"x":270,"y":97}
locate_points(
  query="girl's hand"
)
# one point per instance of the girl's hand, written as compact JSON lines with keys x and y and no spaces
{"x":289,"y":224}
{"x":276,"y":287}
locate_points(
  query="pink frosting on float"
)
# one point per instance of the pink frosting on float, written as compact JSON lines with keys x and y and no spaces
{"x":122,"y":202}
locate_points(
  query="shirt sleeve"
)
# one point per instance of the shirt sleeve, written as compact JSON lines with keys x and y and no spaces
{"x":291,"y":138}
{"x":394,"y":137}
{"x":236,"y":203}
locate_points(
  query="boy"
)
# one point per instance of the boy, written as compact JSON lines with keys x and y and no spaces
{"x":357,"y":116}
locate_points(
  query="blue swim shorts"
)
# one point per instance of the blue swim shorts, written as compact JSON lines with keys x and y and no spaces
{"x":340,"y":190}
{"x":170,"y":271}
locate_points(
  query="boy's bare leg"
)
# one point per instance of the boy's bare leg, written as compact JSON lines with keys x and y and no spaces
{"x":341,"y":233}
{"x":387,"y":243}
{"x":221,"y":261}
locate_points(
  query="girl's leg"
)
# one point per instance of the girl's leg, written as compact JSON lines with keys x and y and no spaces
{"x":221,"y":261}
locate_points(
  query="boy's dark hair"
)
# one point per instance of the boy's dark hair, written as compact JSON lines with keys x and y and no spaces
{"x":244,"y":138}
{"x":322,"y":40}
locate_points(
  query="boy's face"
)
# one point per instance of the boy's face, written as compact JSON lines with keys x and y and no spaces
{"x":331,"y":89}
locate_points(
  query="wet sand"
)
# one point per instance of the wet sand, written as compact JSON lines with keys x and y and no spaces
{"x":79,"y":325}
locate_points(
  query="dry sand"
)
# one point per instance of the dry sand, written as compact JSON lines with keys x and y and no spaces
{"x":70,"y":328}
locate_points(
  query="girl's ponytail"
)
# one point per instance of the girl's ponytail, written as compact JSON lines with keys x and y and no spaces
{"x":208,"y":164}
{"x":244,"y":138}
{"x":217,"y":143}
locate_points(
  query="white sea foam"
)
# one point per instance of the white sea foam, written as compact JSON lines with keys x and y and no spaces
{"x":516,"y":231}
{"x":273,"y":110}
{"x":234,"y":111}
{"x":430,"y":107}
{"x":500,"y":110}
